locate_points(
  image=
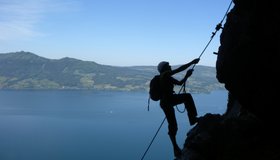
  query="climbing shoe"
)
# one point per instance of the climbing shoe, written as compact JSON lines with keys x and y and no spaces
{"x":177,"y":153}
{"x":193,"y":120}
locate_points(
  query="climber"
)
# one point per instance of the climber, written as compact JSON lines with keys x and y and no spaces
{"x":169,"y":99}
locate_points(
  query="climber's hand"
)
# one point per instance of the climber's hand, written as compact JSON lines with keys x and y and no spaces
{"x":195,"y":61}
{"x":189,"y":72}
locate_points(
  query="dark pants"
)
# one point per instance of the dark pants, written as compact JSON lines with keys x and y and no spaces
{"x":167,"y":104}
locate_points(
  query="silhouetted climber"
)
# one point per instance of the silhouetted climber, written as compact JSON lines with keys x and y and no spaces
{"x":169,"y":99}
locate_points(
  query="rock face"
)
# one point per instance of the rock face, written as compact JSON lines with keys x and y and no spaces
{"x":248,"y":55}
{"x":247,"y":65}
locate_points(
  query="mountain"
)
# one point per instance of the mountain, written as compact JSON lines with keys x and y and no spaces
{"x":25,"y":70}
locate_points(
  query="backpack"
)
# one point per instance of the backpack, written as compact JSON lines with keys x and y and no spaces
{"x":155,"y":91}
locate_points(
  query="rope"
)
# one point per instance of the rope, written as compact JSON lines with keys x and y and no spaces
{"x":218,"y":27}
{"x":153,"y":139}
{"x":176,"y":105}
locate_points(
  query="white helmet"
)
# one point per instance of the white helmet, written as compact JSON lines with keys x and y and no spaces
{"x":161,"y":66}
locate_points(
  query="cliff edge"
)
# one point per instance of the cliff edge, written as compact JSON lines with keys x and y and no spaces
{"x":246,"y":64}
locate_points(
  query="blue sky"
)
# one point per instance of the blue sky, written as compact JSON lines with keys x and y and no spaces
{"x":113,"y":32}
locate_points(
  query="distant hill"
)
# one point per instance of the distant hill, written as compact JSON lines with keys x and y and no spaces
{"x":25,"y":70}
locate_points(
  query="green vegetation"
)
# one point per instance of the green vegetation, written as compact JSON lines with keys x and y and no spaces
{"x":25,"y":70}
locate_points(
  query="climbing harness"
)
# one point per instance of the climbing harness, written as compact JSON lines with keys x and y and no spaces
{"x":183,"y":88}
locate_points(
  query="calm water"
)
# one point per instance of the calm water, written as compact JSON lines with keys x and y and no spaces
{"x":90,"y":125}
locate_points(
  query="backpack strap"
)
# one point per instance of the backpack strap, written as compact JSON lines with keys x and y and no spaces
{"x":149,"y":99}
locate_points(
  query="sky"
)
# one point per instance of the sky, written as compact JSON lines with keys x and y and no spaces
{"x":113,"y":32}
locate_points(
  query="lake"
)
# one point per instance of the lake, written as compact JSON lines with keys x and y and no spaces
{"x":90,"y":125}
